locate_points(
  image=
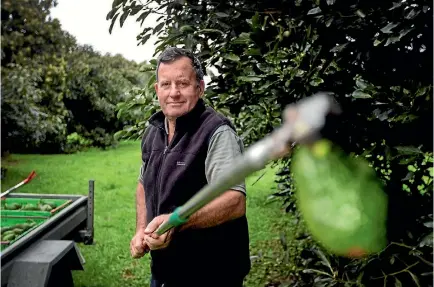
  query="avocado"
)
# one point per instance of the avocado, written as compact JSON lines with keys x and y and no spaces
{"x":30,"y":206}
{"x":5,"y":229}
{"x":341,"y":200}
{"x":45,"y":207}
{"x":12,"y":206}
{"x":18,"y":231}
{"x":8,"y":237}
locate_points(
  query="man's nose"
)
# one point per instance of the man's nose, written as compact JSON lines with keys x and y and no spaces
{"x":174,"y":91}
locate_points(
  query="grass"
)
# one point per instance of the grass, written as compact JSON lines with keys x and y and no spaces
{"x":115,"y":171}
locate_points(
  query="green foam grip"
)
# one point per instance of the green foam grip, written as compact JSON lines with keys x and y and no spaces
{"x":175,"y":219}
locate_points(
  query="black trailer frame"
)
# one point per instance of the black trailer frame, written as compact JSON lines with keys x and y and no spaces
{"x":46,"y":255}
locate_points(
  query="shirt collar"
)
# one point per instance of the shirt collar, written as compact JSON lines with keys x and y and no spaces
{"x":166,"y":125}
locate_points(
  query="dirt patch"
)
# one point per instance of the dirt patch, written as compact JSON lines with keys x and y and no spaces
{"x":128,"y":274}
{"x":10,"y":162}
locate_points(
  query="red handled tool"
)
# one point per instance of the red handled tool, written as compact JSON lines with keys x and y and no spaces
{"x":27,"y":180}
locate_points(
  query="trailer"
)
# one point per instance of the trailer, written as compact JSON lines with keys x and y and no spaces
{"x":46,"y":251}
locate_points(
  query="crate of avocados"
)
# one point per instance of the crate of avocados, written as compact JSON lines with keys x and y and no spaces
{"x":13,"y":229}
{"x":32,"y":207}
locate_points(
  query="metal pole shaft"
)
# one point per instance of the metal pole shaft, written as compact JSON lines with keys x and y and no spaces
{"x":90,"y":208}
{"x":255,"y":158}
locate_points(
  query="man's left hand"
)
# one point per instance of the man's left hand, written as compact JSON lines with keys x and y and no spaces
{"x":154,"y":241}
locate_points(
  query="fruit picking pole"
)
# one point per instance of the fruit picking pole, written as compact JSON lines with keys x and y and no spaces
{"x":25,"y":181}
{"x":302,"y":122}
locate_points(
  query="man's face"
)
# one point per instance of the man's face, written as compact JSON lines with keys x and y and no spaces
{"x":177,"y":88}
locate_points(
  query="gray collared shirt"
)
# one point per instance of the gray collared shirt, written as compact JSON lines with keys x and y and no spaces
{"x":224,"y":146}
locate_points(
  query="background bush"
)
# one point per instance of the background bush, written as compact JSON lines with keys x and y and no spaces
{"x":54,"y":90}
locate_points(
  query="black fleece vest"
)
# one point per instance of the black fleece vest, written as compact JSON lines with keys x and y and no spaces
{"x":173,"y":173}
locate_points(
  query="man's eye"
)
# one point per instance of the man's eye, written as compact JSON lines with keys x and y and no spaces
{"x":164,"y":84}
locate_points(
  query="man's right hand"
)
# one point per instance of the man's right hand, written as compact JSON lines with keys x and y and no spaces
{"x":138,"y":247}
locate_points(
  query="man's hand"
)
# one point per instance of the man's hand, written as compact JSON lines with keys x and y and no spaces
{"x":138,"y":246}
{"x":153,"y":240}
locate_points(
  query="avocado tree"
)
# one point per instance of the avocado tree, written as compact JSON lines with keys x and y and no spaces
{"x":95,"y":84}
{"x":375,"y":57}
{"x":57,"y":96}
{"x":33,"y":76}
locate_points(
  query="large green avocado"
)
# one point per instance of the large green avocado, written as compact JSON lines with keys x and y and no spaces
{"x":341,"y":200}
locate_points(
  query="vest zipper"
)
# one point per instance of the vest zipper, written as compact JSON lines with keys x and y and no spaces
{"x":166,"y":148}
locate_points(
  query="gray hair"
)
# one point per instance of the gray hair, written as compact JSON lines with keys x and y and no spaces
{"x":174,"y":53}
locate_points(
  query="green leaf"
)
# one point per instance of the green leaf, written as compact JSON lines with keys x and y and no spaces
{"x":411,"y":168}
{"x":411,"y":14}
{"x":316,"y":82}
{"x":415,"y":279}
{"x":324,"y":260}
{"x":388,"y":28}
{"x":113,"y":22}
{"x":397,"y":282}
{"x":314,"y":11}
{"x":243,"y":38}
{"x":158,"y":27}
{"x":118,"y":134}
{"x":361,"y":84}
{"x":145,"y":39}
{"x":116,"y":3}
{"x":405,"y":32}
{"x":135,"y":10}
{"x":211,"y":31}
{"x":249,"y":78}
{"x":254,"y":22}
{"x":221,"y":15}
{"x":406,"y":160}
{"x":338,"y":48}
{"x":143,"y":16}
{"x":329,"y":22}
{"x":358,"y":94}
{"x":421,"y":92}
{"x":360,"y":13}
{"x":391,"y":40}
{"x":231,"y":57}
{"x":265,"y":86}
{"x":396,"y":5}
{"x":408,"y":150}
{"x":253,"y":52}
{"x":377,"y":42}
{"x":186,"y":28}
{"x":124,"y":17}
{"x":147,"y":67}
{"x":427,"y":241}
{"x":426,"y":179}
{"x":111,"y":14}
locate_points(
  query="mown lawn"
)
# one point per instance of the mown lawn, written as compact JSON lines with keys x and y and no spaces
{"x":115,"y":171}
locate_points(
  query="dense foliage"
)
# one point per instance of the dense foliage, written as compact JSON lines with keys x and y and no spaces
{"x":374,"y":56}
{"x":57,"y":96}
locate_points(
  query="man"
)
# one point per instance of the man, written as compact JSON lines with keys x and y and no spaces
{"x":186,"y":146}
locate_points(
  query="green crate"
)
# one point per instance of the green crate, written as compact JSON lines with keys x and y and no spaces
{"x":59,"y":204}
{"x":7,"y":222}
{"x":10,"y":221}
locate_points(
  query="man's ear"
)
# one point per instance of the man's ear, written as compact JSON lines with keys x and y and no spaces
{"x":202,"y":88}
{"x":156,"y":87}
